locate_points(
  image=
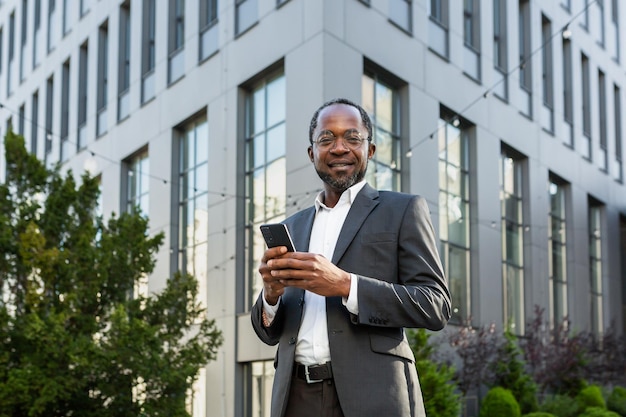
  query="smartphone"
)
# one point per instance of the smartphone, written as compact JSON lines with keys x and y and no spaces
{"x":277,"y":234}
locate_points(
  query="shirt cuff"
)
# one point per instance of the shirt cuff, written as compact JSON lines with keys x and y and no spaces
{"x":352,"y":302}
{"x":270,"y":310}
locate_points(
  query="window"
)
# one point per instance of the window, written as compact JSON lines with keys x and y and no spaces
{"x":400,"y":13}
{"x":500,"y":49}
{"x":138,"y":183}
{"x":49,"y":113}
{"x":586,"y":96}
{"x":52,"y":28}
{"x":10,"y":69}
{"x":547,"y":75}
{"x":603,"y":158}
{"x":65,"y":111}
{"x":246,"y":15}
{"x":568,"y":95}
{"x":103,"y":79}
{"x":83,"y":75}
{"x":511,"y":203}
{"x":208,"y":28}
{"x":69,"y":11}
{"x":24,"y":32}
{"x":617,"y":110}
{"x":148,"y":50}
{"x":382,"y":103}
{"x":176,"y":56}
{"x":525,"y":63}
{"x":193,"y":202}
{"x":123,"y":81}
{"x":84,"y":7}
{"x":20,"y":119}
{"x":37,"y":41}
{"x":259,"y":377}
{"x":557,"y":251}
{"x":596,"y":236}
{"x":438,"y":26}
{"x":265,"y":178}
{"x":34,"y":123}
{"x":471,"y":38}
{"x":1,"y":48}
{"x":614,"y":27}
{"x":454,"y":209}
{"x":596,"y":11}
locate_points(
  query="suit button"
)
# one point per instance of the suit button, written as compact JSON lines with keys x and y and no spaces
{"x":292,"y":341}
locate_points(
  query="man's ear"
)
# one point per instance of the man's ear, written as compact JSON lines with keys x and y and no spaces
{"x":310,"y":152}
{"x":371,"y":149}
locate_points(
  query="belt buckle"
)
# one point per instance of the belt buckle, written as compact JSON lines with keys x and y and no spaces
{"x":307,"y":376}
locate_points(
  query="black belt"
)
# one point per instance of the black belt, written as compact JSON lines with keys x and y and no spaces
{"x":313,"y":373}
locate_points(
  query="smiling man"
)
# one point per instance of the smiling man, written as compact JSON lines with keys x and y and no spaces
{"x":367,"y":267}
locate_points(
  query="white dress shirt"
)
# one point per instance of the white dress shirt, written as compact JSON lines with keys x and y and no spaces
{"x":312,"y":345}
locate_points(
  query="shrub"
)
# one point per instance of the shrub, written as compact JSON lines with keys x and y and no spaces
{"x":560,"y":406}
{"x":539,"y":414}
{"x":617,"y":401}
{"x":598,"y":412}
{"x":510,"y":372}
{"x":499,"y":402}
{"x":436,"y":379}
{"x":590,"y":396}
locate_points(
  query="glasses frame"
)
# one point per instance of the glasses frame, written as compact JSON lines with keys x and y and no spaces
{"x":352,"y":139}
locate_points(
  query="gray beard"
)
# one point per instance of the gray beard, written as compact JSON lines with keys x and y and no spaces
{"x":343,"y":183}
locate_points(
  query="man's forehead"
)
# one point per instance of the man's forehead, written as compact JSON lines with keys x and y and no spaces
{"x":340,"y":112}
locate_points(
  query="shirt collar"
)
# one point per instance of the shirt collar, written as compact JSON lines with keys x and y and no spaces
{"x":347,"y":196}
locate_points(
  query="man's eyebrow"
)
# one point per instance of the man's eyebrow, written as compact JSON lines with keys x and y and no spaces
{"x":331,"y":133}
{"x":325,"y":132}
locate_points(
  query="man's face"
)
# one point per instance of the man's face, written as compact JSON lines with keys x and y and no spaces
{"x":341,"y":164}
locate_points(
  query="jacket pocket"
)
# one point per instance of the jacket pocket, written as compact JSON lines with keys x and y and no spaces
{"x":391,"y":346}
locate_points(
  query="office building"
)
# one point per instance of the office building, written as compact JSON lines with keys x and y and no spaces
{"x":507,"y":116}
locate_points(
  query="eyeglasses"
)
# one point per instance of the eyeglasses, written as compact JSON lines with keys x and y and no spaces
{"x":327,"y":140}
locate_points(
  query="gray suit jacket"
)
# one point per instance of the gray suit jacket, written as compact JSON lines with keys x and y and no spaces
{"x":388,"y":241}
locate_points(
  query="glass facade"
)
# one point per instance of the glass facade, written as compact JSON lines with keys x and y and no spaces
{"x":595,"y":267}
{"x":454,"y":214}
{"x":557,"y":251}
{"x":383,"y":106}
{"x":265,"y":147}
{"x":511,"y":203}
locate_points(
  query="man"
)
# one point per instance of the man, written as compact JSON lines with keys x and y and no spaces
{"x":366,"y":267}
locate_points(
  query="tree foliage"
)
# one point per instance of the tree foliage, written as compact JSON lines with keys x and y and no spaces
{"x":509,"y":371}
{"x":439,"y":390}
{"x":74,"y":340}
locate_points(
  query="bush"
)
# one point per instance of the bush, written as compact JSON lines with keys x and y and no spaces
{"x":510,"y":372}
{"x":499,"y":402}
{"x":617,"y":401}
{"x":539,"y":414}
{"x":598,"y":412}
{"x":560,"y":406}
{"x":590,"y":396}
{"x":438,"y":389}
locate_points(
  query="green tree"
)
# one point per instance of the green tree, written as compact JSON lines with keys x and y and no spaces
{"x":73,"y":339}
{"x":509,"y":371}
{"x":436,"y":379}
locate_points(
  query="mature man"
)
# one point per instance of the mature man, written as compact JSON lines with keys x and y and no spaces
{"x":366,"y":267}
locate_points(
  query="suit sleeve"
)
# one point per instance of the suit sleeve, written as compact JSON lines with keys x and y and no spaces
{"x":418,"y":297}
{"x":268,"y":335}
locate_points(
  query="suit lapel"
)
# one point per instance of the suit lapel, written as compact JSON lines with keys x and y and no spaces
{"x":362,"y":205}
{"x":301,"y":233}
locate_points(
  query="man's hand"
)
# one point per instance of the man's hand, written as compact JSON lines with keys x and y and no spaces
{"x":304,"y":270}
{"x":273,"y":288}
